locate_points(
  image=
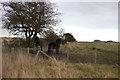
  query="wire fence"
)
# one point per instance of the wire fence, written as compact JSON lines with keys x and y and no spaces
{"x":96,"y":57}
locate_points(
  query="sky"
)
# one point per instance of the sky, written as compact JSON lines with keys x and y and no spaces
{"x":87,"y":21}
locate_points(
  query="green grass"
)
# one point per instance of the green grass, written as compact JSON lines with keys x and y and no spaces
{"x":83,"y":52}
{"x":105,"y":46}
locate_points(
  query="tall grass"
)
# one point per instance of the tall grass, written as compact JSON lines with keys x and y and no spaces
{"x":22,"y":65}
{"x":26,"y":66}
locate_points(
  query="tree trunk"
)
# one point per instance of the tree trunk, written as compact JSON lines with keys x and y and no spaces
{"x":35,"y":35}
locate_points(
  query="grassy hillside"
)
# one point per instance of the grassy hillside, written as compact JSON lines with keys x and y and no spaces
{"x":107,"y":53}
{"x":76,"y":60}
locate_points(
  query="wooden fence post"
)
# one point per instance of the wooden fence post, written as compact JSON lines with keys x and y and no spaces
{"x":28,"y":50}
{"x":95,"y":56}
{"x":19,"y":49}
{"x":67,"y":56}
{"x":37,"y":53}
{"x":48,"y":56}
{"x":12,"y":50}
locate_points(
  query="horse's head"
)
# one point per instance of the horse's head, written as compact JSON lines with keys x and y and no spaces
{"x":36,"y":37}
{"x":61,"y":41}
{"x":58,"y":41}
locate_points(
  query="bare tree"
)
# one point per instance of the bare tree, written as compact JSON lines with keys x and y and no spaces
{"x":29,"y":18}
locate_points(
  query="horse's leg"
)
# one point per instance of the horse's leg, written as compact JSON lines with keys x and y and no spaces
{"x":52,"y":50}
{"x":57,"y":50}
{"x":41,"y":48}
{"x":36,"y":48}
{"x":49,"y":51}
{"x":41,"y":45}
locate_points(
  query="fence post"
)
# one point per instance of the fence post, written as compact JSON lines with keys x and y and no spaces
{"x":19,"y":49}
{"x":95,"y":56}
{"x":12,"y":50}
{"x":28,"y":50}
{"x":37,"y":53}
{"x":67,"y":56}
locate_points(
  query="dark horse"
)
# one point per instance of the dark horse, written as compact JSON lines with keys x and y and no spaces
{"x":38,"y":43}
{"x":54,"y":45}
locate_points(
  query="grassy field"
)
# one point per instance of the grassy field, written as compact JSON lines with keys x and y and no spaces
{"x":107,"y":53}
{"x":76,"y":60}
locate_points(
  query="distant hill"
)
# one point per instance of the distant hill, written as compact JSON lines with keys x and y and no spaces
{"x":7,"y":38}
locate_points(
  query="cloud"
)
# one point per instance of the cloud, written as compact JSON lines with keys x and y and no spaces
{"x":97,"y":15}
{"x":88,"y":21}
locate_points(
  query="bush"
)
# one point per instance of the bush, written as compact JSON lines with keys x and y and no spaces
{"x":69,"y":37}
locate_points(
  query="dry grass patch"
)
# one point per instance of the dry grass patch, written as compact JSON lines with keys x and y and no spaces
{"x":22,"y":65}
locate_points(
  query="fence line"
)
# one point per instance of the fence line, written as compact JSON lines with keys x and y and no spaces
{"x":28,"y":51}
{"x":13,"y":50}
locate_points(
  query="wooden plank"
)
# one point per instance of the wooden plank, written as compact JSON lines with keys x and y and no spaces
{"x":39,"y":51}
{"x":48,"y":56}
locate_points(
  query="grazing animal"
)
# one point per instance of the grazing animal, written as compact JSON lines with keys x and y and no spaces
{"x":38,"y":43}
{"x":54,"y":45}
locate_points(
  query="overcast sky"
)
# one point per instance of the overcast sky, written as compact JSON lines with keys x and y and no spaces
{"x":88,"y":21}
